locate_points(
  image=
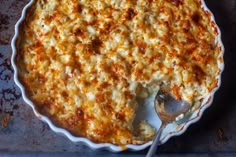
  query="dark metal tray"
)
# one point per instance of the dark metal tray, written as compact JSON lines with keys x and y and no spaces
{"x":22,"y":134}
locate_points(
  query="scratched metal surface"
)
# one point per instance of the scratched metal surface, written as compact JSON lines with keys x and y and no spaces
{"x":22,"y":133}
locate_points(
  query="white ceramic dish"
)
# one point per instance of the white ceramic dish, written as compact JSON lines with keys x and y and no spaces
{"x":170,"y":131}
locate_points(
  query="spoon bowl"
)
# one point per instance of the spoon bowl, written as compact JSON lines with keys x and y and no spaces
{"x":168,"y":108}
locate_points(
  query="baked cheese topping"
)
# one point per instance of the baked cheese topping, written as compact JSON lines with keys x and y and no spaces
{"x":84,"y":63}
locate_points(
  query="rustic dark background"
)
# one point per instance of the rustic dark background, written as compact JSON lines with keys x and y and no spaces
{"x":25,"y":135}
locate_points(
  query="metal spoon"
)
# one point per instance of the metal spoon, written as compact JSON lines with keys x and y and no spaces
{"x":169,"y":110}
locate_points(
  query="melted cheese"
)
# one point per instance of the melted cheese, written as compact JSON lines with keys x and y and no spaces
{"x":85,"y":62}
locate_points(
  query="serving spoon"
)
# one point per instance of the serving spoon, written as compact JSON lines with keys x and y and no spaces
{"x":169,"y":110}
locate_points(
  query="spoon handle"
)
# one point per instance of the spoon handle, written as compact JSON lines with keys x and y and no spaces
{"x":155,"y":142}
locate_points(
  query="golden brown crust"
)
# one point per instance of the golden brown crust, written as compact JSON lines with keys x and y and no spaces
{"x":85,"y":62}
